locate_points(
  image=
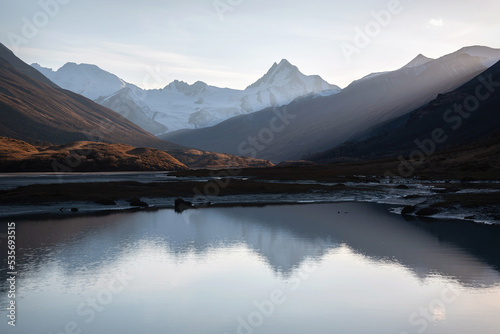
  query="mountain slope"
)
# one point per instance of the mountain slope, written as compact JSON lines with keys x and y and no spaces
{"x":22,"y":67}
{"x":126,"y":103}
{"x":30,"y":109}
{"x":452,"y":113}
{"x":180,"y":105}
{"x":314,"y":124}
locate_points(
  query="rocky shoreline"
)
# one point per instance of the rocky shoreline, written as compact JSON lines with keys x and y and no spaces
{"x":473,"y":200}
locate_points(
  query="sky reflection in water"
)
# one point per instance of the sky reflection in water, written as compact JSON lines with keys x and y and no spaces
{"x":275,"y":269}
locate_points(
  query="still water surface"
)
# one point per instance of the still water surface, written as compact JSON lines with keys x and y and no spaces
{"x":318,"y":268}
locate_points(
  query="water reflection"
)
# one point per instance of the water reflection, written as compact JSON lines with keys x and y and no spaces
{"x":203,"y":270}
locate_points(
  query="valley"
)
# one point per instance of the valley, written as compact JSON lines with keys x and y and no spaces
{"x":389,"y":143}
{"x":249,"y":167}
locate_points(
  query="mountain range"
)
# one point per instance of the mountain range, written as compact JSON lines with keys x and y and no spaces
{"x":64,"y":125}
{"x":381,"y":115}
{"x":318,"y":123}
{"x":180,"y":105}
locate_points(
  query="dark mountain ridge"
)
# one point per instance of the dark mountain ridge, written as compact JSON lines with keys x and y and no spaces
{"x":468,"y":115}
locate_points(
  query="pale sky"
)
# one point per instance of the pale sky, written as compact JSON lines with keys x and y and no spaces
{"x":232,"y":43}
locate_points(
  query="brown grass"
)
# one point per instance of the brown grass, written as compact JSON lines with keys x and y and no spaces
{"x":211,"y":160}
{"x":16,"y":155}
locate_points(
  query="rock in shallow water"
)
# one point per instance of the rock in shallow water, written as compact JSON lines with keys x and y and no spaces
{"x":137,"y":202}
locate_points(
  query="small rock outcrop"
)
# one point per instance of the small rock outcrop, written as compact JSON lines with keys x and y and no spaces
{"x":181,"y":205}
{"x":137,"y":202}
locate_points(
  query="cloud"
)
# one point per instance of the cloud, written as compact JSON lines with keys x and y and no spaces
{"x":436,"y":22}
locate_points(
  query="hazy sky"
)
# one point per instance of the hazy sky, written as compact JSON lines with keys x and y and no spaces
{"x":231,"y":43}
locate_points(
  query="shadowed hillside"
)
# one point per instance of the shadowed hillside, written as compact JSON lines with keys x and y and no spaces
{"x":468,"y":119}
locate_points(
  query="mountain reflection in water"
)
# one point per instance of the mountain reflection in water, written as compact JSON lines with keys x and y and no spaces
{"x":210,"y":265}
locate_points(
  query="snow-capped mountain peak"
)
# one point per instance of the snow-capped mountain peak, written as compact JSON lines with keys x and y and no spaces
{"x":184,"y":88}
{"x":85,"y":79}
{"x":180,"y":105}
{"x":48,"y":72}
{"x":288,"y":79}
{"x":277,"y":74}
{"x":283,"y":65}
{"x":88,"y":68}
